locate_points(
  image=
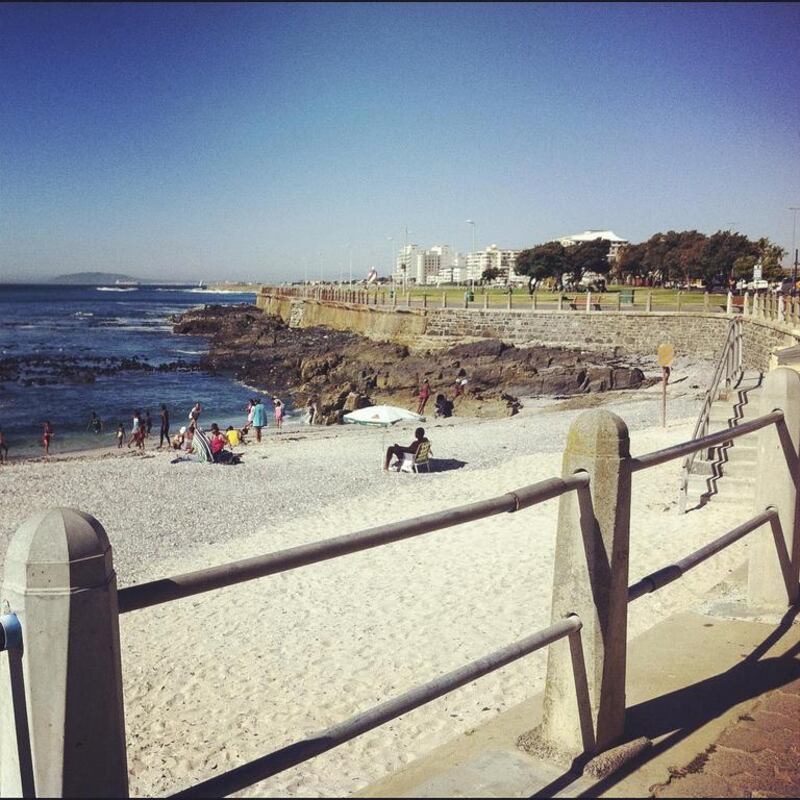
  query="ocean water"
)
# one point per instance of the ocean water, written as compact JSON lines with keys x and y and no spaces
{"x":80,"y":326}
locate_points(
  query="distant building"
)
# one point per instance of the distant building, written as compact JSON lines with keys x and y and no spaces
{"x":589,"y":236}
{"x":493,"y":257}
{"x":424,"y":266}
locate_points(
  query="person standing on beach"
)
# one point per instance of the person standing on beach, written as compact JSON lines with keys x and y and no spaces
{"x":120,"y":435}
{"x":148,"y":423}
{"x":47,"y":436}
{"x":194,"y":416}
{"x":278,"y":405}
{"x":3,"y":448}
{"x":164,"y":432}
{"x":259,"y":417}
{"x":424,"y":394}
{"x":251,"y":404}
{"x":136,"y":424}
{"x":95,"y":424}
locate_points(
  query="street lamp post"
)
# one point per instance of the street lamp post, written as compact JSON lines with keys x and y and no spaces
{"x":350,"y":253}
{"x":320,"y":268}
{"x":390,"y":239}
{"x":470,"y":222}
{"x":794,"y":210}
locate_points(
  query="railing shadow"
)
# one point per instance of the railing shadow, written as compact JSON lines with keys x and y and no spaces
{"x":22,"y":731}
{"x":683,"y":711}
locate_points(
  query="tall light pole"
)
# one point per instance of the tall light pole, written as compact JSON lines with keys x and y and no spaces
{"x":305,"y":270}
{"x":470,"y":222}
{"x":405,"y":256}
{"x":794,"y":210}
{"x":390,"y":239}
{"x":320,"y":267}
{"x":350,"y":253}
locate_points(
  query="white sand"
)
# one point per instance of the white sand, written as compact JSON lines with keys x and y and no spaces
{"x":221,"y":678}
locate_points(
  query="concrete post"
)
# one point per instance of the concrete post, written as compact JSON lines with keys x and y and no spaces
{"x":729,"y":304}
{"x":649,"y":304}
{"x":705,"y":301}
{"x":59,"y":580}
{"x":466,"y":300}
{"x":618,"y":301}
{"x":444,"y":299}
{"x":508,"y":303}
{"x":584,"y":703}
{"x":424,"y":301}
{"x":485,"y":300}
{"x":588,"y":302}
{"x":776,"y":476}
{"x":746,"y":305}
{"x":678,"y":299}
{"x":534,"y":301}
{"x":560,"y":301}
{"x":408,"y":299}
{"x":781,"y":309}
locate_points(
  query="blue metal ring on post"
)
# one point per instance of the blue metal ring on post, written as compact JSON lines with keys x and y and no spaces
{"x":10,"y":632}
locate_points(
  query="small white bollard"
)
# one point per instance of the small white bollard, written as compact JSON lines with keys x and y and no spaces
{"x":59,"y":580}
{"x":729,"y":304}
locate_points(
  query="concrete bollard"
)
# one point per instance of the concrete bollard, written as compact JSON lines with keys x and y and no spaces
{"x":776,"y":485}
{"x":729,"y":304}
{"x":706,"y":297}
{"x":508,"y":302}
{"x":746,"y":305}
{"x":534,"y":300}
{"x":485,"y":300}
{"x":424,"y":301}
{"x":617,"y":303}
{"x":59,"y":580}
{"x":560,"y":302}
{"x":781,"y":309}
{"x":678,"y":300}
{"x":584,"y":702}
{"x":649,"y":303}
{"x":444,"y":299}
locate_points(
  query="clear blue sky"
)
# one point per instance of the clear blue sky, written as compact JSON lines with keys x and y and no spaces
{"x":238,"y":141}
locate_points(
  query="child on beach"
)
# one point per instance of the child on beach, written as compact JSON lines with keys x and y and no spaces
{"x":120,"y":435}
{"x":3,"y":448}
{"x":164,"y":432}
{"x":233,"y":436}
{"x":259,"y":417}
{"x":47,"y":435}
{"x":137,"y":423}
{"x":424,"y":394}
{"x":278,"y":412}
{"x":148,"y":423}
{"x":194,"y":416}
{"x":95,"y":424}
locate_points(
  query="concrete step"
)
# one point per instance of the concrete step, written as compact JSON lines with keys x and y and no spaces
{"x":732,"y":468}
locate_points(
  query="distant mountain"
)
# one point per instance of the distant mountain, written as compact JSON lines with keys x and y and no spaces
{"x":92,"y":278}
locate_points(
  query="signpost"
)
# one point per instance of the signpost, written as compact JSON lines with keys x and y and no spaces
{"x":666,"y":354}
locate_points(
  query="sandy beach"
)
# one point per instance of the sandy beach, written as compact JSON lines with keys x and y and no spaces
{"x":221,"y":678}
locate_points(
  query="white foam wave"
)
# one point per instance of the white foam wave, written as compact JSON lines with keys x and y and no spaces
{"x":116,"y":289}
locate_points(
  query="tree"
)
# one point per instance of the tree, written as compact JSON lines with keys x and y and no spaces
{"x":490,"y":274}
{"x":589,"y":256}
{"x":631,"y":260}
{"x":543,"y":261}
{"x":720,"y":252}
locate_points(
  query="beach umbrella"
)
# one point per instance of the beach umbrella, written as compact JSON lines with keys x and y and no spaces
{"x":381,"y":416}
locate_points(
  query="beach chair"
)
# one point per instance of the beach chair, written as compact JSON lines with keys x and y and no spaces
{"x":412,"y":461}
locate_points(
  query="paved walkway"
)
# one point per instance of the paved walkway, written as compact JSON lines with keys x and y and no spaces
{"x":758,"y":755}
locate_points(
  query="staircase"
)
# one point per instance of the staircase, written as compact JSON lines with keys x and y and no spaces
{"x":725,"y":473}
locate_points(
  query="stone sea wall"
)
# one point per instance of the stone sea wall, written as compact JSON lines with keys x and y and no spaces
{"x":635,"y":332}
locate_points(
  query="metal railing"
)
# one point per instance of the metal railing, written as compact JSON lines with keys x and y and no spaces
{"x":165,"y":590}
{"x":728,"y":373}
{"x":568,"y":626}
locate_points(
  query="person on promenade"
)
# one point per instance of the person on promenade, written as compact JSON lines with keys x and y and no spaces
{"x":95,"y":424}
{"x":120,"y":435}
{"x":135,"y":425}
{"x":47,"y":436}
{"x":424,"y":394}
{"x":398,"y":451}
{"x":148,"y":423}
{"x":194,"y":415}
{"x":3,"y":448}
{"x":259,"y":417}
{"x":278,"y":405}
{"x":311,"y":410}
{"x":164,"y":430}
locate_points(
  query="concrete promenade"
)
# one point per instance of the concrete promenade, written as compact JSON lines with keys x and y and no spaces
{"x":715,"y":689}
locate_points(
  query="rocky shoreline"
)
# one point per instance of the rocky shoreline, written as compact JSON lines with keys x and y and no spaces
{"x":343,"y":371}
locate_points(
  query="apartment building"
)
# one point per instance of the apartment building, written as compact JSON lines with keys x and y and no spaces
{"x":493,"y":258}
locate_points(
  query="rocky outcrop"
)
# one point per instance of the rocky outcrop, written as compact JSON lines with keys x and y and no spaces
{"x":343,"y":371}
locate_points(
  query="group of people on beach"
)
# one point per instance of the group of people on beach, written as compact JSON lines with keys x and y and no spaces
{"x":444,"y":405}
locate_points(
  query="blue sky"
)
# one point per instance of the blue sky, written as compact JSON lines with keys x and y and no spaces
{"x":241,"y":141}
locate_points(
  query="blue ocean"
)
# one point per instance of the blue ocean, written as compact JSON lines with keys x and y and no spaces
{"x":66,"y":351}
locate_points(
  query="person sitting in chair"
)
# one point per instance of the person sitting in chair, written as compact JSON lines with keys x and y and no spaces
{"x":399,"y":451}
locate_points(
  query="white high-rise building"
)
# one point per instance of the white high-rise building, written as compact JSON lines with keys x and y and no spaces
{"x":492,"y":258}
{"x":405,"y":265}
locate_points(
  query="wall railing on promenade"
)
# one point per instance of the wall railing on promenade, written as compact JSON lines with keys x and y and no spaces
{"x":62,"y":729}
{"x":728,"y":372}
{"x":773,"y":307}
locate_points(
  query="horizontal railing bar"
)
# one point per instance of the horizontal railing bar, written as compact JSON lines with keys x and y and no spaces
{"x":655,"y":580}
{"x":265,"y":767}
{"x":720,"y":437}
{"x":163,"y":590}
